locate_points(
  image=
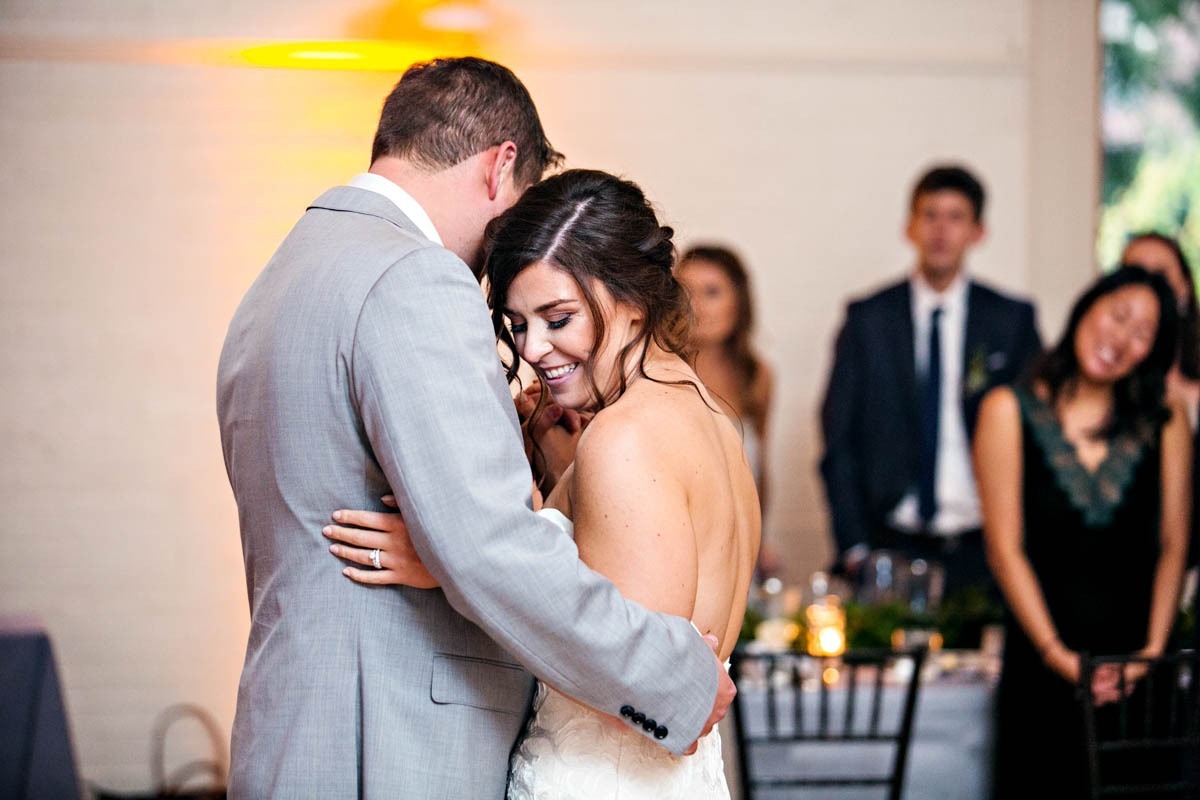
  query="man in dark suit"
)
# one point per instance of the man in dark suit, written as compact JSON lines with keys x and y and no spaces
{"x":911,"y":364}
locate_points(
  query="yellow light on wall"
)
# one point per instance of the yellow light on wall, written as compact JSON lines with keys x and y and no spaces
{"x":363,"y":55}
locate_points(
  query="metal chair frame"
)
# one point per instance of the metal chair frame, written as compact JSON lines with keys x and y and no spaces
{"x":1149,"y":728}
{"x":830,"y":726}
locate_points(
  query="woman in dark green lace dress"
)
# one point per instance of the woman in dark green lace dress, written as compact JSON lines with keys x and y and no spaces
{"x":1084,"y":480}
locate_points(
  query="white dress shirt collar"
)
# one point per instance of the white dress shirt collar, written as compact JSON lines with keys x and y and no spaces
{"x":952,"y":299}
{"x":402,"y":199}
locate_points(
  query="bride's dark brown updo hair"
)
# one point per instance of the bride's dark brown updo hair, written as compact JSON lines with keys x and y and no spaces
{"x":595,"y":227}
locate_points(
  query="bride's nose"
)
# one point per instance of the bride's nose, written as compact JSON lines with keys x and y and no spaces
{"x":537,"y":344}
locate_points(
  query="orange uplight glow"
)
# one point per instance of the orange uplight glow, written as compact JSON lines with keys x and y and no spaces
{"x":341,"y":55}
{"x":826,"y":628}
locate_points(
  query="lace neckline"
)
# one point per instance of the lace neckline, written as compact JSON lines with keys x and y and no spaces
{"x":1097,"y":493}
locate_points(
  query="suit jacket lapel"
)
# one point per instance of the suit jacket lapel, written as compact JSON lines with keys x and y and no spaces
{"x":902,"y":329}
{"x":973,"y":338}
{"x":976,"y":355}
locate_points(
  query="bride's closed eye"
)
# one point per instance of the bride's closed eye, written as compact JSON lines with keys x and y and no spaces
{"x":552,"y":324}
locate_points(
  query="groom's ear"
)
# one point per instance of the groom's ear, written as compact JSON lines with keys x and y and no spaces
{"x":501,"y":166}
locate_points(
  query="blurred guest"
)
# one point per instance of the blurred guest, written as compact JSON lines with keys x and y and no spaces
{"x":1083,"y":476}
{"x":718,"y":285}
{"x":1162,"y":254}
{"x":726,"y":361}
{"x":910,"y":366}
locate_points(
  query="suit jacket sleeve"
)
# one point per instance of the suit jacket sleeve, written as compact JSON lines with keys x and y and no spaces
{"x":426,"y":377}
{"x":839,"y":420}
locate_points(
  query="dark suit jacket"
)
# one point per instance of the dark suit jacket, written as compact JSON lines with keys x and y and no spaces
{"x":870,"y":415}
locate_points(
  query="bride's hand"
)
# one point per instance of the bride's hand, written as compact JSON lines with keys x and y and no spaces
{"x":556,"y":432}
{"x":385,"y":532}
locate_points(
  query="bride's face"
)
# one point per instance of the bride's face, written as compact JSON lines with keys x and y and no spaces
{"x":554,"y":331}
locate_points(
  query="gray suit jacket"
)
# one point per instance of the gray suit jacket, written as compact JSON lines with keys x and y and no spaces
{"x":361,"y":360}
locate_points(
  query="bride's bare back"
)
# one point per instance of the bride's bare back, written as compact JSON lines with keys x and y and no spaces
{"x":664,"y":503}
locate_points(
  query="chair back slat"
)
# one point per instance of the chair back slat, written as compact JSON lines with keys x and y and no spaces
{"x":798,"y":696}
{"x":772,"y":720}
{"x":822,"y":709}
{"x":906,"y":725}
{"x":851,"y":695}
{"x":1173,"y":716}
{"x":1124,"y":708}
{"x":877,"y":701}
{"x":1148,"y":715}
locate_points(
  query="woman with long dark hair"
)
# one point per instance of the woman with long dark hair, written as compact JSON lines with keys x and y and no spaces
{"x":725,"y":359}
{"x":1084,"y":480}
{"x":724,"y":355}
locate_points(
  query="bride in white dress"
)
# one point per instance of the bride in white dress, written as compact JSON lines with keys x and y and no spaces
{"x":660,"y":494}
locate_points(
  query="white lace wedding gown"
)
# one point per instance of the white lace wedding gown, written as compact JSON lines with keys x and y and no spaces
{"x":570,"y":752}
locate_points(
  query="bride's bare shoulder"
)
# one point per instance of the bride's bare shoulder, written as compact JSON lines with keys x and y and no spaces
{"x":611,"y":429}
{"x":632,"y":435}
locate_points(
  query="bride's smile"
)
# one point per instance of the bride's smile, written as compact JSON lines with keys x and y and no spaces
{"x":554,"y":327}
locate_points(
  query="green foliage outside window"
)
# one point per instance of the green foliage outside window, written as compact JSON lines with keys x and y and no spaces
{"x":1151,"y":124}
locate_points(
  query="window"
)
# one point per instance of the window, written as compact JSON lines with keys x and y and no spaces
{"x":1150,"y":126}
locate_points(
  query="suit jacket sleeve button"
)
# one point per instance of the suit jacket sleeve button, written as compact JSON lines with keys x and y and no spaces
{"x":649,"y":725}
{"x":627,"y":711}
{"x":638,"y":718}
{"x":660,"y":732}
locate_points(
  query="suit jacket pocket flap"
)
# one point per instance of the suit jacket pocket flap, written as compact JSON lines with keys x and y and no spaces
{"x":480,"y":683}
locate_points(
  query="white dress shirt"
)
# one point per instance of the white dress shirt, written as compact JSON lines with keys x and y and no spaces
{"x":957,"y":497}
{"x":403,"y":200}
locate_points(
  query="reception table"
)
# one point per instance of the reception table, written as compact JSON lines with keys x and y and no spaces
{"x":36,"y":760}
{"x":949,"y":756}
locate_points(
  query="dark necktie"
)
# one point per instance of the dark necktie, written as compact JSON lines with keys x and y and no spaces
{"x":931,"y":396}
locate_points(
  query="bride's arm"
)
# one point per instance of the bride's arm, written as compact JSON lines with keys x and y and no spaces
{"x":355,"y":533}
{"x":999,"y":472}
{"x":1176,"y":503}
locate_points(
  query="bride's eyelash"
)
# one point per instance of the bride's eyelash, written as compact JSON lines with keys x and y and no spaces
{"x":553,"y":324}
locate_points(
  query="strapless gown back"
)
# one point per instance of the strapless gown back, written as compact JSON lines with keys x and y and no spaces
{"x":570,"y":752}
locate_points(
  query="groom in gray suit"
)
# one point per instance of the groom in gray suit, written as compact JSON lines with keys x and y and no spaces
{"x":362,"y":361}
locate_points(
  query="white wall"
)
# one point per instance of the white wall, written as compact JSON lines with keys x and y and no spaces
{"x":797,"y":140}
{"x":143,"y":191}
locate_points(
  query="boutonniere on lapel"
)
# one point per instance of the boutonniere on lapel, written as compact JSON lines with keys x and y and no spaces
{"x":976,"y":378}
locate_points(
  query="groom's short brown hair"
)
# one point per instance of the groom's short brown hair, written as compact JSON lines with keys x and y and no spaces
{"x":444,"y":111}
